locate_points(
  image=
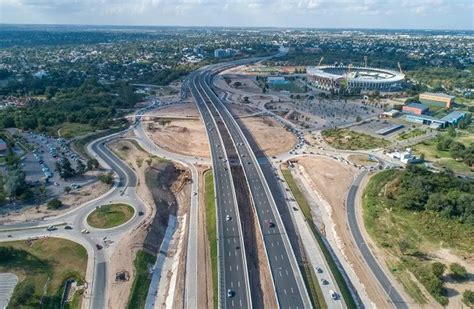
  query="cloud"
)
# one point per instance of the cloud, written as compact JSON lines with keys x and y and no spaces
{"x":285,"y":13}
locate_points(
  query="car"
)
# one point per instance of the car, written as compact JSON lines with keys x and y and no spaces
{"x":51,"y":228}
{"x":319,"y":270}
{"x":230,"y":293}
{"x":141,"y":213}
{"x":270,"y":224}
{"x":228,"y":218}
{"x":324,"y":282}
{"x":333,"y":294}
{"x":99,"y":247}
{"x":84,"y":231}
{"x":68,"y":227}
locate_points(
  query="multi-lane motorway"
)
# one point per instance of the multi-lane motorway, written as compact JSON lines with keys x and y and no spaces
{"x":287,"y":281}
{"x":234,"y":290}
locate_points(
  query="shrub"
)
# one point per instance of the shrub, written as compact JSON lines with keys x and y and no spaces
{"x":468,"y":298}
{"x":458,"y":272}
{"x":106,"y":178}
{"x":438,"y":269}
{"x":54,"y":204}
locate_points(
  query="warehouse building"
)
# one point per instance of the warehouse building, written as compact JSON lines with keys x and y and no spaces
{"x":437,"y":99}
{"x":415,"y":109}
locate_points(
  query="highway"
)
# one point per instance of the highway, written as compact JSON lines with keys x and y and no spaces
{"x":287,"y":281}
{"x":382,"y":278}
{"x":123,"y":191}
{"x":233,"y":270}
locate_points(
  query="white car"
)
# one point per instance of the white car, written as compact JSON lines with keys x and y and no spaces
{"x":84,"y":231}
{"x":228,"y":218}
{"x":333,"y":294}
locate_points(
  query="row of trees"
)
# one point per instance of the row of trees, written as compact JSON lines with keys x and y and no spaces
{"x":422,"y":190}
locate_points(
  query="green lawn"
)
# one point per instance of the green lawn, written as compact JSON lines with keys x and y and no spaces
{"x":408,"y":236}
{"x":142,"y":280}
{"x":350,"y":140}
{"x":211,"y":214}
{"x":43,"y":265}
{"x":315,"y":292}
{"x":411,"y":134}
{"x":111,"y":215}
{"x":71,"y":130}
{"x":290,"y":86}
{"x":443,"y":159}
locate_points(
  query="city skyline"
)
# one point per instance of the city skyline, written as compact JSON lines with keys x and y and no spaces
{"x":380,"y":14}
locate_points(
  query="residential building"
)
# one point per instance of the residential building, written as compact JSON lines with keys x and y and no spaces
{"x":437,"y":99}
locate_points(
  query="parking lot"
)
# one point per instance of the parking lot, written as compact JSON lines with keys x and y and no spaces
{"x":39,"y":162}
{"x":372,"y":126}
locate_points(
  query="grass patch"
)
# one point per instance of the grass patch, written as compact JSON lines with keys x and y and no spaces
{"x":306,"y":210}
{"x":111,"y":215}
{"x":351,"y":140}
{"x":142,"y":280}
{"x":42,"y":267}
{"x":443,"y":159}
{"x":71,"y":130}
{"x":79,"y":145}
{"x":411,"y":134}
{"x":211,"y":214}
{"x":290,"y":87}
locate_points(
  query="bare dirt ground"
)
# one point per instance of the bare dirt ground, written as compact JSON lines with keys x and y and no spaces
{"x":205,"y":294}
{"x":247,"y":83}
{"x":70,"y":201}
{"x":125,"y":250}
{"x":184,"y":136}
{"x":242,"y":110}
{"x":360,"y":159}
{"x":188,"y":136}
{"x":187,"y":110}
{"x":332,"y":180}
{"x":270,"y":136}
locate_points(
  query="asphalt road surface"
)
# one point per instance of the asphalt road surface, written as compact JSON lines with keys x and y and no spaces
{"x":287,"y":280}
{"x":233,"y":280}
{"x":391,"y":291}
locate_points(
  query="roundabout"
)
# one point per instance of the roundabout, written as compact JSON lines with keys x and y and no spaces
{"x":110,"y":216}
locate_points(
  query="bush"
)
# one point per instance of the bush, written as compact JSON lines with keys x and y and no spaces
{"x":55,"y":204}
{"x":458,"y":272}
{"x":106,"y":178}
{"x":438,"y":269}
{"x":468,"y":298}
{"x":23,"y":295}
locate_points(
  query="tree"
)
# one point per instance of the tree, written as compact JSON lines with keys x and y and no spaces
{"x":452,"y":131}
{"x":106,"y":178}
{"x":92,"y":164}
{"x":54,"y":204}
{"x":468,"y":298}
{"x":80,"y":168}
{"x":67,"y":189}
{"x":458,"y":272}
{"x":358,"y":119}
{"x":438,"y":269}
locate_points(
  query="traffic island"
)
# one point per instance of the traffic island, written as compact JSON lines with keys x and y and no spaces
{"x":111,"y":215}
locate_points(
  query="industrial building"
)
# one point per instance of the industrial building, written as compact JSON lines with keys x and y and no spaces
{"x":437,"y":99}
{"x":452,"y":118}
{"x":415,"y":109}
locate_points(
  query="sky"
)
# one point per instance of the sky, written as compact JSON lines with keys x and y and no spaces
{"x":387,"y":14}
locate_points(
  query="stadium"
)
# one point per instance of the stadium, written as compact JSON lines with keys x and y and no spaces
{"x":355,"y":79}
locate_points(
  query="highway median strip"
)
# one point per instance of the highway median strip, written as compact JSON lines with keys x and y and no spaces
{"x":211,"y":229}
